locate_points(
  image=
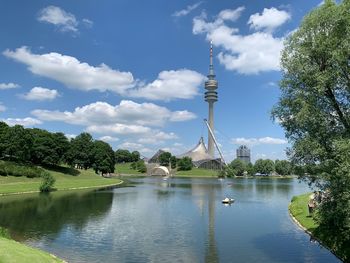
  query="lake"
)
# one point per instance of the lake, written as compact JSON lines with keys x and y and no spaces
{"x":177,"y":220}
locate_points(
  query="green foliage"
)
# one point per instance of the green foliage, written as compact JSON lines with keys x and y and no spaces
{"x":103,"y":158}
{"x":236,"y":168}
{"x":4,"y":233}
{"x":264,"y":166}
{"x":47,"y":182}
{"x":48,"y":148}
{"x":139,"y":166}
{"x":314,"y":111}
{"x":124,"y":156}
{"x":283,"y":167}
{"x":250,"y":169}
{"x":14,"y":169}
{"x":173,"y":162}
{"x":184,"y":164}
{"x":80,"y":152}
{"x":164,"y":158}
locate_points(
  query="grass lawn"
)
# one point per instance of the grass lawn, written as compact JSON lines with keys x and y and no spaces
{"x":66,"y":178}
{"x":124,"y":168}
{"x":298,"y":208}
{"x":197,"y":172}
{"x":13,"y":252}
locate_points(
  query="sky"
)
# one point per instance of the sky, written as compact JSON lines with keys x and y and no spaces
{"x":132,"y":73}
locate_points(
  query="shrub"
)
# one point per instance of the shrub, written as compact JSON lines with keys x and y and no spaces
{"x":47,"y":183}
{"x":4,"y":233}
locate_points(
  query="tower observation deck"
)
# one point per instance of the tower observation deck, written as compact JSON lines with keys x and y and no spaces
{"x":211,"y":96}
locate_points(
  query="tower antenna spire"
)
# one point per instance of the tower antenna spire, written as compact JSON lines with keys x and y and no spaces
{"x":211,"y":96}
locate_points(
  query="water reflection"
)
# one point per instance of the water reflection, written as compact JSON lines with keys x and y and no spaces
{"x":40,"y":215}
{"x":175,"y":220}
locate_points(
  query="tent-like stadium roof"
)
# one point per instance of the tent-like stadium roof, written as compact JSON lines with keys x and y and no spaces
{"x":198,"y":153}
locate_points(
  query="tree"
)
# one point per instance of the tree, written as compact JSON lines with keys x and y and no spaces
{"x":122,"y":156}
{"x":18,"y":144}
{"x":184,"y":164}
{"x":4,"y":129}
{"x":237,"y":167}
{"x":283,"y":167}
{"x":164,"y":158}
{"x":250,"y":169}
{"x":314,"y":109}
{"x":103,"y":157}
{"x":173,"y":162}
{"x":80,"y":151}
{"x":135,"y":156}
{"x":264,"y":166}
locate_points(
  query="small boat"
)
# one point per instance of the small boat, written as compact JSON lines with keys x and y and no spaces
{"x":228,"y":200}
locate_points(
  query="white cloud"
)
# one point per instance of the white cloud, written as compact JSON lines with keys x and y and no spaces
{"x":246,"y":54}
{"x":57,"y":16}
{"x":71,"y":72}
{"x":157,"y":138}
{"x":257,"y":141}
{"x":24,"y":122}
{"x":8,"y":86}
{"x":182,"y":116}
{"x":187,"y":10}
{"x":87,"y":22}
{"x":2,"y":107}
{"x":119,"y":128}
{"x":108,"y":138}
{"x":41,"y":94}
{"x":173,"y":84}
{"x":269,"y":20}
{"x":102,"y":113}
{"x":132,"y":146}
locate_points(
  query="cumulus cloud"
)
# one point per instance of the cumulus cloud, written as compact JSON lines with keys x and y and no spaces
{"x":41,"y":94}
{"x":187,"y":10}
{"x":173,"y":84}
{"x":63,"y":20}
{"x":132,"y":146}
{"x":108,"y":139}
{"x":71,"y":72}
{"x":269,"y":19}
{"x":246,"y":54}
{"x":22,"y":121}
{"x":170,"y":85}
{"x":102,"y":113}
{"x":70,"y":136}
{"x":87,"y":22}
{"x":257,"y":141}
{"x":8,"y":86}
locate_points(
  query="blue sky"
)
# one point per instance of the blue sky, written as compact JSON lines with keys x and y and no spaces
{"x":132,"y":72}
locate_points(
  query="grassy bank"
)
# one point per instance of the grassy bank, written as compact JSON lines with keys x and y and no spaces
{"x":197,"y":172}
{"x":124,"y":168}
{"x":299,"y":210}
{"x":66,"y":179}
{"x":13,"y":252}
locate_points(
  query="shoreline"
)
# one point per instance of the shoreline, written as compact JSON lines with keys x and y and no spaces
{"x":312,"y":236}
{"x":66,"y":189}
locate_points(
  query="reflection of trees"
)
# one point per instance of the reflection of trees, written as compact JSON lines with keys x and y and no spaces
{"x":47,"y":214}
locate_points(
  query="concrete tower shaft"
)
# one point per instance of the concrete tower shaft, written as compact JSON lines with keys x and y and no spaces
{"x":211,"y":96}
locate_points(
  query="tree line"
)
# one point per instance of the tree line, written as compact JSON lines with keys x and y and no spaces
{"x":262,"y":166}
{"x":33,"y":147}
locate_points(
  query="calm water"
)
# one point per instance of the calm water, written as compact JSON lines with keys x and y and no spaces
{"x":179,"y":220}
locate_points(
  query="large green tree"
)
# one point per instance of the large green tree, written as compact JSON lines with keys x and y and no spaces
{"x":283,"y":167}
{"x":314,"y":110}
{"x":80,"y":152}
{"x":264,"y":166}
{"x":164,"y":158}
{"x":103,"y":157}
{"x":237,"y":168}
{"x":123,"y":156}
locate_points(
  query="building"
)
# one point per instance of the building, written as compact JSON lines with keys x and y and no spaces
{"x":211,"y":96}
{"x":201,"y":158}
{"x":243,"y":153}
